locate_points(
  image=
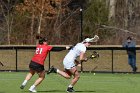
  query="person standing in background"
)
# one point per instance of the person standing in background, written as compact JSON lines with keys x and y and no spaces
{"x":130,"y":45}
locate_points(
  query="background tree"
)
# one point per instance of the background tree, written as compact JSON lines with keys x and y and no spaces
{"x":60,"y":20}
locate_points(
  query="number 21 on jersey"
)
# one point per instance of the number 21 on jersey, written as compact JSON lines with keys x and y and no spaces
{"x":39,"y":50}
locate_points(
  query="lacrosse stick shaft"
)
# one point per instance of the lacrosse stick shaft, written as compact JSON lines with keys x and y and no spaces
{"x":1,"y":63}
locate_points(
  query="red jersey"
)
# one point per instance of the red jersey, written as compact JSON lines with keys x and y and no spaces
{"x":41,"y":53}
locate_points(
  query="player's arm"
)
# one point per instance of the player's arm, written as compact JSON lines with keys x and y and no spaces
{"x":61,"y":48}
{"x":77,"y":63}
{"x":82,"y":57}
{"x":58,"y":48}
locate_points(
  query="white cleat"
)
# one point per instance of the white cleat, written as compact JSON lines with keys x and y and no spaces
{"x":32,"y":90}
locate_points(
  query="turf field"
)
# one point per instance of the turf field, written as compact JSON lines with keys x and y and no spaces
{"x":88,"y":83}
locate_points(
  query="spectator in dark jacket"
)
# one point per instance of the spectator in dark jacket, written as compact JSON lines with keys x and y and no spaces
{"x":131,"y":51}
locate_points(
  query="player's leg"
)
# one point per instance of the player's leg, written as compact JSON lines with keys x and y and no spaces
{"x":67,"y":65}
{"x":76,"y":75}
{"x":134,"y":64}
{"x":41,"y":73}
{"x":65,"y":74}
{"x":32,"y":67}
{"x":28,"y":77}
{"x":38,"y":81}
{"x":130,"y":61}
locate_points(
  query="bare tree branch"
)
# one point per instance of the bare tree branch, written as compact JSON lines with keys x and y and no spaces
{"x":116,"y":28}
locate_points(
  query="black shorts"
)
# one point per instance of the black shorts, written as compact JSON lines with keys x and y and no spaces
{"x":35,"y":66}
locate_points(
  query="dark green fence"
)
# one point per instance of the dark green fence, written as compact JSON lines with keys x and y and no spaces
{"x":112,"y":59}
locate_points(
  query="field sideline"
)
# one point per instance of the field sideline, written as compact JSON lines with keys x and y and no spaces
{"x":88,"y":83}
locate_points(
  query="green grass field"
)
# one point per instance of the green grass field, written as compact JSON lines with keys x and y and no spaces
{"x":88,"y":83}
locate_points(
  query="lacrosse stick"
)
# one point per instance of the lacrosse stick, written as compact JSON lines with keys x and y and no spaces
{"x":1,"y":63}
{"x":94,"y":56}
{"x":95,"y":38}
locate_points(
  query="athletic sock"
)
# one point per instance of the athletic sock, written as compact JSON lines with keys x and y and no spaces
{"x":24,"y":82}
{"x":57,"y":70}
{"x":32,"y":87}
{"x":70,"y":86}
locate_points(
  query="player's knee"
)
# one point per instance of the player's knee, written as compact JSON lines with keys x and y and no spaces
{"x":41,"y":75}
{"x":77,"y":76}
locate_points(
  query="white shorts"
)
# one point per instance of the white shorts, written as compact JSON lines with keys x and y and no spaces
{"x":68,"y":64}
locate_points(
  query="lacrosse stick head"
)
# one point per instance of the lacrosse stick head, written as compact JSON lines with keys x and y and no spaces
{"x":90,"y":40}
{"x":95,"y":38}
{"x":94,"y":55}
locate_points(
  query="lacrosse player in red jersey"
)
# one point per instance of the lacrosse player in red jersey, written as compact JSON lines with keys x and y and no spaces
{"x":69,"y":63}
{"x":37,"y":64}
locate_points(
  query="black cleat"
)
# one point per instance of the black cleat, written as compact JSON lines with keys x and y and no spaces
{"x":52,"y":70}
{"x":135,"y":70}
{"x":22,"y":87}
{"x":70,"y":89}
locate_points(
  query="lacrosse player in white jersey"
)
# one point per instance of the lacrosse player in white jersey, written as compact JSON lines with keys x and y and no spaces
{"x":70,"y":62}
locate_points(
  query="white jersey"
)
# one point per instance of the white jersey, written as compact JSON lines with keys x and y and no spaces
{"x":73,"y":54}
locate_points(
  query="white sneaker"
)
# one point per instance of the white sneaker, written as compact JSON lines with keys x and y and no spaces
{"x":32,"y":90}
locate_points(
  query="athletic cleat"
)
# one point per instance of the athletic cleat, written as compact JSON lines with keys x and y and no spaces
{"x":70,"y":89}
{"x":32,"y":90}
{"x":22,"y":87}
{"x":52,"y":70}
{"x":135,"y":70}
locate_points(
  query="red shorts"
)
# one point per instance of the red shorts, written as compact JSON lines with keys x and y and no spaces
{"x":68,"y":72}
